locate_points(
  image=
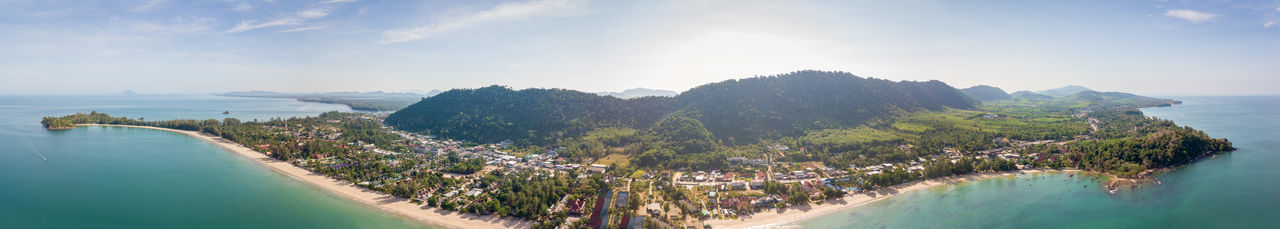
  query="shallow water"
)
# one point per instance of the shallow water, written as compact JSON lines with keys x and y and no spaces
{"x":115,"y":177}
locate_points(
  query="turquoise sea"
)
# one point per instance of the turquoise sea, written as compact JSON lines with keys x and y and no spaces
{"x":1240,"y":189}
{"x":113,"y":177}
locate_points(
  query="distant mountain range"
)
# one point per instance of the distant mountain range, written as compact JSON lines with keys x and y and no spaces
{"x":1028,"y":95}
{"x":1064,"y":91}
{"x":1073,"y":95}
{"x":639,"y":92}
{"x":347,"y":94}
{"x":365,"y":101}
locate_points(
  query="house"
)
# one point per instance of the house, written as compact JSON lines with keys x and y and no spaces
{"x":654,"y":209}
{"x":594,"y":169}
{"x":729,"y":203}
{"x":726,"y":177}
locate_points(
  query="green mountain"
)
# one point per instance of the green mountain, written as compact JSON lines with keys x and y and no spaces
{"x":741,"y":111}
{"x":1064,"y":91}
{"x":733,"y":111}
{"x":986,"y":93}
{"x":540,"y":116}
{"x":1028,"y":95}
{"x":1120,"y":99}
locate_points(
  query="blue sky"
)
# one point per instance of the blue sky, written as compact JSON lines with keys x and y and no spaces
{"x":194,"y":46}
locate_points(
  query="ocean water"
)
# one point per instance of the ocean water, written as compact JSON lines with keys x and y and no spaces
{"x":1240,"y":189}
{"x":113,"y":177}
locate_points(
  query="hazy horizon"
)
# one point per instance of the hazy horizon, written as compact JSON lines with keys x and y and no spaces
{"x":201,"y":47}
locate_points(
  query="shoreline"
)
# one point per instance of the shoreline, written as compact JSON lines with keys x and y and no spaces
{"x":795,"y":214}
{"x":381,"y":201}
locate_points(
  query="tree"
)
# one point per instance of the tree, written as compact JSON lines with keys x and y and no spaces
{"x":831,"y":193}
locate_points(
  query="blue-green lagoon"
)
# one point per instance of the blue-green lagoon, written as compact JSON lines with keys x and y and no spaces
{"x":115,"y":177}
{"x":1239,"y":189}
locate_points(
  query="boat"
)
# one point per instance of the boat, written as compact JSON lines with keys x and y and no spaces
{"x":226,"y":112}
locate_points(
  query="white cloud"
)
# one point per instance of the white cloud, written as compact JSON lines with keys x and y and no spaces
{"x":243,"y":7}
{"x":501,"y":12}
{"x":302,"y":29}
{"x":148,"y":5}
{"x":250,"y":25}
{"x":1190,"y":15}
{"x":297,"y":19}
{"x":338,"y":1}
{"x":176,"y":26}
{"x":314,"y":13}
{"x":1269,"y":24}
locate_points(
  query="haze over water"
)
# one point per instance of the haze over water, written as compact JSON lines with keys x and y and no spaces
{"x":113,"y":177}
{"x":1234,"y":190}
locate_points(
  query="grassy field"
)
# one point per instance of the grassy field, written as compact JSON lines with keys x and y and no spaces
{"x":1024,"y":123}
{"x":615,"y":158}
{"x":840,"y":138}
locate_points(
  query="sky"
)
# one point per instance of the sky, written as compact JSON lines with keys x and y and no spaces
{"x":1169,"y":47}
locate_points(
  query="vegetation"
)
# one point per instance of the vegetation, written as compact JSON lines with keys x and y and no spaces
{"x":57,"y":123}
{"x":831,"y":117}
{"x":1134,"y":143}
{"x":986,"y":93}
{"x":735,"y":112}
{"x":463,"y":166}
{"x":338,"y":145}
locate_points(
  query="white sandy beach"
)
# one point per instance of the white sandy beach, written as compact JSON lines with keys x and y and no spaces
{"x":385,"y":202}
{"x":449,"y":219}
{"x":775,"y":219}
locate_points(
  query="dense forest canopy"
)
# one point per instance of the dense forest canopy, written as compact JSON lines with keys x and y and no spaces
{"x":734,"y":111}
{"x":530,"y":116}
{"x":743,"y":111}
{"x":834,"y":118}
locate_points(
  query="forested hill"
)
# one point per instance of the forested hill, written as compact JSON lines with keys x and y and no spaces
{"x":741,"y":111}
{"x":497,"y":113}
{"x":733,"y":111}
{"x":986,"y":93}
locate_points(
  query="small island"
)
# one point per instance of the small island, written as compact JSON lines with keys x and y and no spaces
{"x":57,"y":123}
{"x":738,"y":153}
